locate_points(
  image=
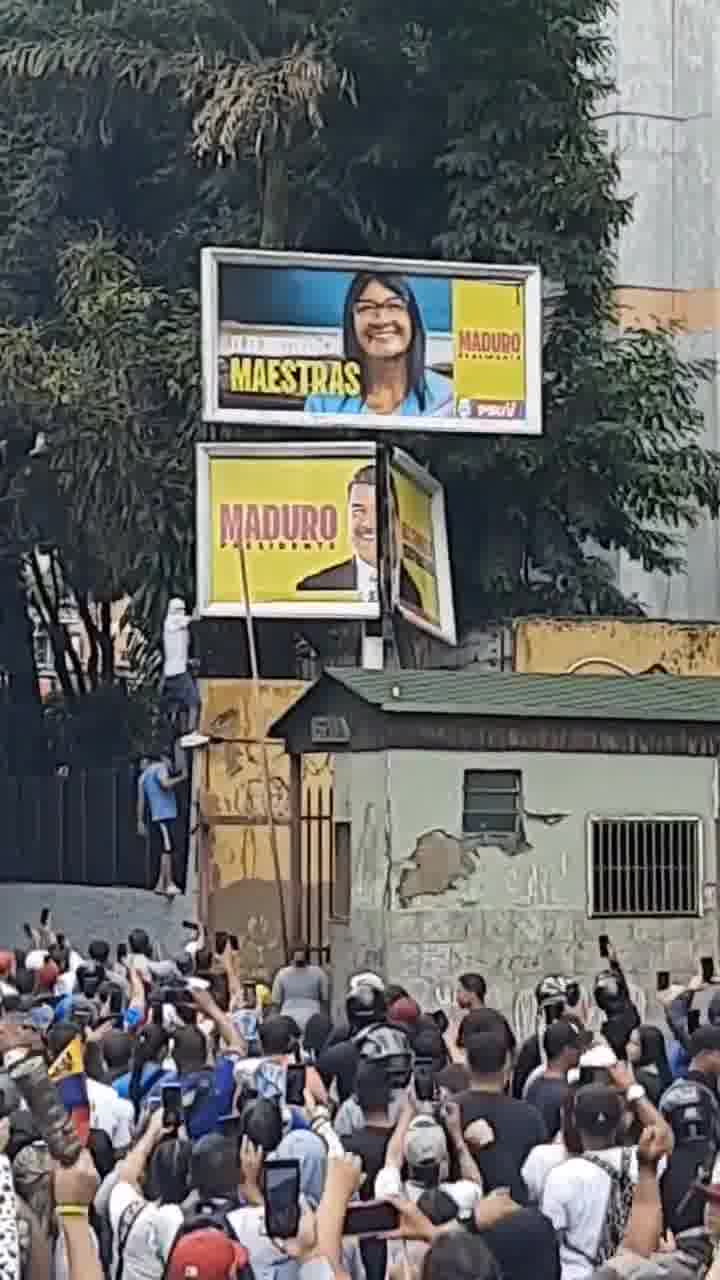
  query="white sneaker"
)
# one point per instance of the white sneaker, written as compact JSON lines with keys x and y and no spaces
{"x":190,"y":740}
{"x":172,"y":891}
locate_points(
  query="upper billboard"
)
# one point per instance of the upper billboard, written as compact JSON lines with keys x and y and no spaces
{"x":305,"y":340}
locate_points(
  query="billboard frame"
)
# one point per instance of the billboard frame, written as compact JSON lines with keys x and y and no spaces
{"x":446,"y":607}
{"x":212,"y":258}
{"x":204,"y":453}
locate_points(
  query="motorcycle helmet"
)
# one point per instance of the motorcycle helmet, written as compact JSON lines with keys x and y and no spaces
{"x":551,"y":996}
{"x":607,"y":992}
{"x":390,"y":1048}
{"x":692,"y":1111}
{"x":364,"y":1006}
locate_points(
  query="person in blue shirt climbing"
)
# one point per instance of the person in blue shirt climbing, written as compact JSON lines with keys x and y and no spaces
{"x":384,"y":335}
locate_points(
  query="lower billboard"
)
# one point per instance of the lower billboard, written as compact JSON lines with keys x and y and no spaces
{"x":306,"y":516}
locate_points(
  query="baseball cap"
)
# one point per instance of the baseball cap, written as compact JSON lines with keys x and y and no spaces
{"x":425,"y":1142}
{"x":207,"y":1254}
{"x":47,"y":975}
{"x":405,"y":1010}
{"x":598,"y":1110}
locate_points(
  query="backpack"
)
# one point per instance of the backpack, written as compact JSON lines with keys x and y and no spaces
{"x":211,"y":1213}
{"x":618,"y":1207}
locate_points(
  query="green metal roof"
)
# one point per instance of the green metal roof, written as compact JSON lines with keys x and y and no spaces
{"x":653,"y":697}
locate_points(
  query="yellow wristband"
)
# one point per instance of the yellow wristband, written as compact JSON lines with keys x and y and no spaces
{"x":71,"y":1210}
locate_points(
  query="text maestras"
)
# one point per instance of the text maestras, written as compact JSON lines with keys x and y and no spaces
{"x":267,"y":376}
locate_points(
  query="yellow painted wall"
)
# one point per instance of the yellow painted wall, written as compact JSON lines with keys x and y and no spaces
{"x":608,"y":646}
{"x":243,"y":895}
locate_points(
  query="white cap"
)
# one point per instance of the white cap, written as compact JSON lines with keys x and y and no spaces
{"x":366,"y":980}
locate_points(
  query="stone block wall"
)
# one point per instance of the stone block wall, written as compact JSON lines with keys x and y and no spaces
{"x":427,"y":950}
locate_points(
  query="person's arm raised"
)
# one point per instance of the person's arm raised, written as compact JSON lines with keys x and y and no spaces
{"x":75,"y":1190}
{"x":622,"y":1077}
{"x":223,"y":1022}
{"x":645,"y":1224}
{"x":132,"y":1167}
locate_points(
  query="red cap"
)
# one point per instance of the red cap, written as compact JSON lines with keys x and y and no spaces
{"x":206,"y":1254}
{"x":46,"y":976}
{"x":404,"y":1009}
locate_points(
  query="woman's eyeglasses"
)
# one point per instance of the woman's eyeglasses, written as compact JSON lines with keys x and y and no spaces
{"x":373,"y":310}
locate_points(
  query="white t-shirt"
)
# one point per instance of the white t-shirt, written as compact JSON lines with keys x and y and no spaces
{"x":176,"y":644}
{"x":575,"y":1200}
{"x":151,"y":1236}
{"x":113,"y":1115}
{"x":539,"y":1164}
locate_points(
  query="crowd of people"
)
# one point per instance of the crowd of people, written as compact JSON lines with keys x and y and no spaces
{"x":173,"y":1120}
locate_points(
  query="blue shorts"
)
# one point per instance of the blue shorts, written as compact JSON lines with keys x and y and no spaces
{"x":181,"y":691}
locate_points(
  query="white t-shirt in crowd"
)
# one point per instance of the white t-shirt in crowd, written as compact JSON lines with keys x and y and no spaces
{"x":151,"y":1236}
{"x":539,"y":1164}
{"x":112,"y":1115}
{"x":576,"y":1199}
{"x":176,"y":644}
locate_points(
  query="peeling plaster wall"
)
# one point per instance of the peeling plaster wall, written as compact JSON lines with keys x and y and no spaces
{"x":516,"y":917}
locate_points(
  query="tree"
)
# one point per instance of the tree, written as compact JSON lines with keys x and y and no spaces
{"x":134,"y":135}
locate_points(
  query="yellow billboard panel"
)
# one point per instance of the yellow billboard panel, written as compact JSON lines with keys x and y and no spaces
{"x":306,"y":518}
{"x":421,"y":580}
{"x":489,"y":349}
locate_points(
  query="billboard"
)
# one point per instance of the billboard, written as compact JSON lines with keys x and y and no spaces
{"x":305,"y":515}
{"x":419,"y":559}
{"x":310,"y":341}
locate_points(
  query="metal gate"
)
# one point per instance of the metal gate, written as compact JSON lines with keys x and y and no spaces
{"x":318,"y":869}
{"x":79,"y":827}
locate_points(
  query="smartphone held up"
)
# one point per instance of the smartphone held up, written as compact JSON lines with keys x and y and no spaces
{"x":281,"y":1190}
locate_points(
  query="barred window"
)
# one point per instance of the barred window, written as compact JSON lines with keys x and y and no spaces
{"x":644,"y":866}
{"x":492,"y":802}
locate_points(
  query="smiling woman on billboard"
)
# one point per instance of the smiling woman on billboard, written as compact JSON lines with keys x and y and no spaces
{"x":384,"y":334}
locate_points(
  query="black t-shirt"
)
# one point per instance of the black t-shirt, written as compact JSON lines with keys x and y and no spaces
{"x":518,"y":1128}
{"x":547,"y":1094}
{"x":525,"y":1246}
{"x":339,"y":1062}
{"x":371,"y":1144}
{"x":455,"y":1078}
{"x":528,"y":1060}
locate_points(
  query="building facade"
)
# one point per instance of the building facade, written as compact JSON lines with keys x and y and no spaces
{"x":501,"y":823}
{"x":662,"y":122}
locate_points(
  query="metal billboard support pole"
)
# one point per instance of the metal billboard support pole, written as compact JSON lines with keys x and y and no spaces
{"x":377,"y":635}
{"x":262,"y":743}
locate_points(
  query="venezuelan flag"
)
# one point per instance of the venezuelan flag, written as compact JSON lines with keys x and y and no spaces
{"x":67,"y":1073}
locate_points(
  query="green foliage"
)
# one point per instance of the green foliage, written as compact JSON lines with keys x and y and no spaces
{"x":132,"y":134}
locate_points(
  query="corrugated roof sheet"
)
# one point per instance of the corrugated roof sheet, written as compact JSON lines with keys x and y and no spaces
{"x":562,"y":697}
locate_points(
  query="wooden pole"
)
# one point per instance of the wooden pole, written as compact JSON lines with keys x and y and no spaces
{"x":262,"y":743}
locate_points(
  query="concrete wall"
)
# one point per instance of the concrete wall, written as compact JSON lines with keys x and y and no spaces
{"x":83,"y":913}
{"x":512,"y":917}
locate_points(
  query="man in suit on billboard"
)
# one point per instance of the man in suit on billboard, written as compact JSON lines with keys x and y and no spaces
{"x":361,"y":573}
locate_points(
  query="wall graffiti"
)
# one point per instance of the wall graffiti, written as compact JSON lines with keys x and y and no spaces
{"x":243,"y":890}
{"x":441,"y":995}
